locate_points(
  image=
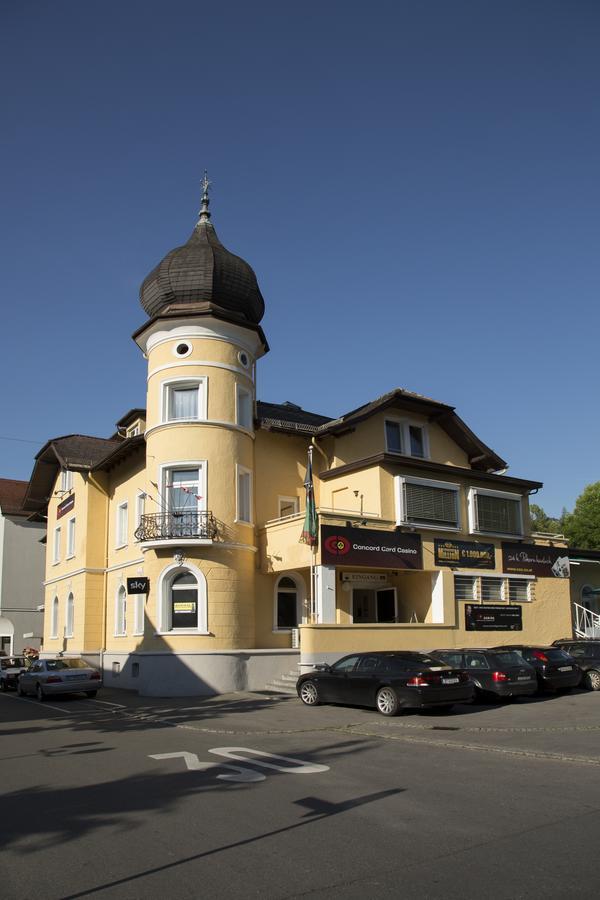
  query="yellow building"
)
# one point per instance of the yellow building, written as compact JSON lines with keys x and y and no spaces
{"x":174,"y":560}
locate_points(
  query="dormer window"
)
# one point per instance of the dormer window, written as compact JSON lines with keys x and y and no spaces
{"x":406,"y":438}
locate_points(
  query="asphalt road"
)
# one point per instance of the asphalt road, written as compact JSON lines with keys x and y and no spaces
{"x":488,"y":802}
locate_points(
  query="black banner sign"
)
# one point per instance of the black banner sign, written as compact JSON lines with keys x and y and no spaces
{"x":466,"y":554}
{"x":492,"y":617}
{"x":530,"y":559}
{"x":65,"y":506}
{"x":138,"y":585}
{"x":369,"y":547}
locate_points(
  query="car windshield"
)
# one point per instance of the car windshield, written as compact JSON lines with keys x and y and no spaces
{"x":12,"y":662}
{"x":509,"y":658}
{"x":556,"y":655}
{"x":55,"y":664}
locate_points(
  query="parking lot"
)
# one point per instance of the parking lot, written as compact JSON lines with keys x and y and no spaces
{"x":254,"y":794}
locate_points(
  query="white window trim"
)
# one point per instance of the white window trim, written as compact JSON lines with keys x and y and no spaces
{"x":140,"y":507}
{"x":504,"y":577}
{"x":121,"y":590}
{"x":294,"y":501}
{"x":399,"y":482}
{"x":71,"y":538}
{"x":242,"y":470}
{"x":56,"y":540}
{"x":66,"y":480}
{"x":240,"y":389}
{"x":300,"y":601}
{"x":70,"y":619}
{"x":161,"y":600}
{"x":120,"y":544}
{"x":502,"y":495}
{"x":54,"y":618}
{"x":200,"y":464}
{"x":405,"y":436}
{"x":201,"y":382}
{"x":139,"y":613}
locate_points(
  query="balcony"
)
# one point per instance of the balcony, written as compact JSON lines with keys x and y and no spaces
{"x":177,"y":526}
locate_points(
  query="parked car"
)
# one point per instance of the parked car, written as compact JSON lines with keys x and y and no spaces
{"x":495,"y":673}
{"x":10,"y":669}
{"x":59,"y":676}
{"x":555,"y":669}
{"x":586,"y":653}
{"x":389,"y":681}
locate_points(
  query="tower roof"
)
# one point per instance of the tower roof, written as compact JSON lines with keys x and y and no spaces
{"x":204,"y":271}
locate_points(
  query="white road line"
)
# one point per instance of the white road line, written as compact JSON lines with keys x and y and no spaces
{"x":40,"y":706}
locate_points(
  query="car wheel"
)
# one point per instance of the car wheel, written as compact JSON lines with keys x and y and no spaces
{"x":91,"y":694}
{"x":387,"y":701}
{"x":39,"y":693}
{"x":592,"y":680}
{"x":308,"y":693}
{"x":20,"y":691}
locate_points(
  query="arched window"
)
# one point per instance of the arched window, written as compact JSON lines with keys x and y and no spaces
{"x":288,"y":603}
{"x":182,"y":597}
{"x":54,"y":618}
{"x":70,"y":617}
{"x":121,"y":611}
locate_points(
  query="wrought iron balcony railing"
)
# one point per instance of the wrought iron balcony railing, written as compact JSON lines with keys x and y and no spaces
{"x":166,"y":526}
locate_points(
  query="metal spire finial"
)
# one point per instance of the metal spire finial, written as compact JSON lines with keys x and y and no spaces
{"x":204,"y":215}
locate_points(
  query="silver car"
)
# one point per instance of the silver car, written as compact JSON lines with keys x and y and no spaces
{"x":59,"y":676}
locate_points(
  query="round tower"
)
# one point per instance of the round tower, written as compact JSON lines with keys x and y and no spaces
{"x":197,"y":533}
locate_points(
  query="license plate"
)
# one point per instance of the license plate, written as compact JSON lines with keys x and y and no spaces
{"x":565,"y":668}
{"x":523,"y":678}
{"x":76,"y":677}
{"x":450,"y":680}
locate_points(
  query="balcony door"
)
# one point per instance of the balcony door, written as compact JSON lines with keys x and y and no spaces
{"x":184,"y":494}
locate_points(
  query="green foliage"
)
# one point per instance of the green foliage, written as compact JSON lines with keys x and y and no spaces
{"x":582,"y":526}
{"x":542,"y":522}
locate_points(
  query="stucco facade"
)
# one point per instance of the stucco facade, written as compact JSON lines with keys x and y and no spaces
{"x":174,"y":555}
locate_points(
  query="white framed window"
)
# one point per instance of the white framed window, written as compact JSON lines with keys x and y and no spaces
{"x":56,"y":544}
{"x":66,"y":480}
{"x":184,"y":486}
{"x":495,"y":512}
{"x":139,"y":604}
{"x":140,"y":507}
{"x":406,"y":438}
{"x":243,"y":407}
{"x":54,"y":618}
{"x":184,"y":400}
{"x":494,"y":588}
{"x":288,"y":603}
{"x":121,"y":612}
{"x":288,"y":506}
{"x":427,"y":504}
{"x":182,"y":604}
{"x":70,"y":616}
{"x":244,"y":495}
{"x":122,"y":530}
{"x":71,"y":538}
{"x":133,"y":431}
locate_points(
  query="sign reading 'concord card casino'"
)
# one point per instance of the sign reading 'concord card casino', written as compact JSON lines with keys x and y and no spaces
{"x":369,"y":547}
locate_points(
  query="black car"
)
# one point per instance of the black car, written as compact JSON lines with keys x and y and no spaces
{"x":555,"y":669}
{"x":586,"y":653}
{"x":495,"y":673}
{"x":389,"y":681}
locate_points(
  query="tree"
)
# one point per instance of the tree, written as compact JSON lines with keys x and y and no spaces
{"x":540,"y":521}
{"x":582,"y":526}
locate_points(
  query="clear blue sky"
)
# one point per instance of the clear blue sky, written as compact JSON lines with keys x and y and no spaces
{"x":416,"y":184}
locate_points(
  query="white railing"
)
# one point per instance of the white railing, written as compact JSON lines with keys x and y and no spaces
{"x":587,"y":623}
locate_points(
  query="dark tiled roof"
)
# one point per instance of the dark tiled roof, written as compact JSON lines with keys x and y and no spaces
{"x":131,"y":416}
{"x":203,"y":270}
{"x":81,"y":451}
{"x":123,"y":449}
{"x":288,"y":417}
{"x":12,"y":494}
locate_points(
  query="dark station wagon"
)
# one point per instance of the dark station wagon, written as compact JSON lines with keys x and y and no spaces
{"x":586,"y":653}
{"x":555,"y":669}
{"x":496,"y":674}
{"x":389,"y":681}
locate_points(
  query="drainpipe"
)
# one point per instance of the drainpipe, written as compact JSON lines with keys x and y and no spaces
{"x":99,"y":487}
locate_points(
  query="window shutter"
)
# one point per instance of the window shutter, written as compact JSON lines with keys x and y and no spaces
{"x":430,"y":504}
{"x":498,"y":514}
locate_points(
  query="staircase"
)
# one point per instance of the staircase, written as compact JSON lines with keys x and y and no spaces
{"x":586,"y":623}
{"x":284,"y":684}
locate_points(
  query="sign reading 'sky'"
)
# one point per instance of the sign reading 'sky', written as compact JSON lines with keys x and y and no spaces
{"x":370,"y":547}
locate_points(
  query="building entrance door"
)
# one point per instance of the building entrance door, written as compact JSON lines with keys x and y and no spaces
{"x":374,"y":605}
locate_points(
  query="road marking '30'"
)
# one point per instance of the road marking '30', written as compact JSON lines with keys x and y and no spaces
{"x":273,"y":761}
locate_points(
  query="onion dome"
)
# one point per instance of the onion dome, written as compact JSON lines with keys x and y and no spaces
{"x":203,"y":272}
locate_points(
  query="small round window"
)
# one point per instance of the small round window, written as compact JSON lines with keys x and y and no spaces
{"x":183,"y":349}
{"x":244,"y":358}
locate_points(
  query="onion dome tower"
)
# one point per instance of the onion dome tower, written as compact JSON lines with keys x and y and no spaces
{"x":202,"y":340}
